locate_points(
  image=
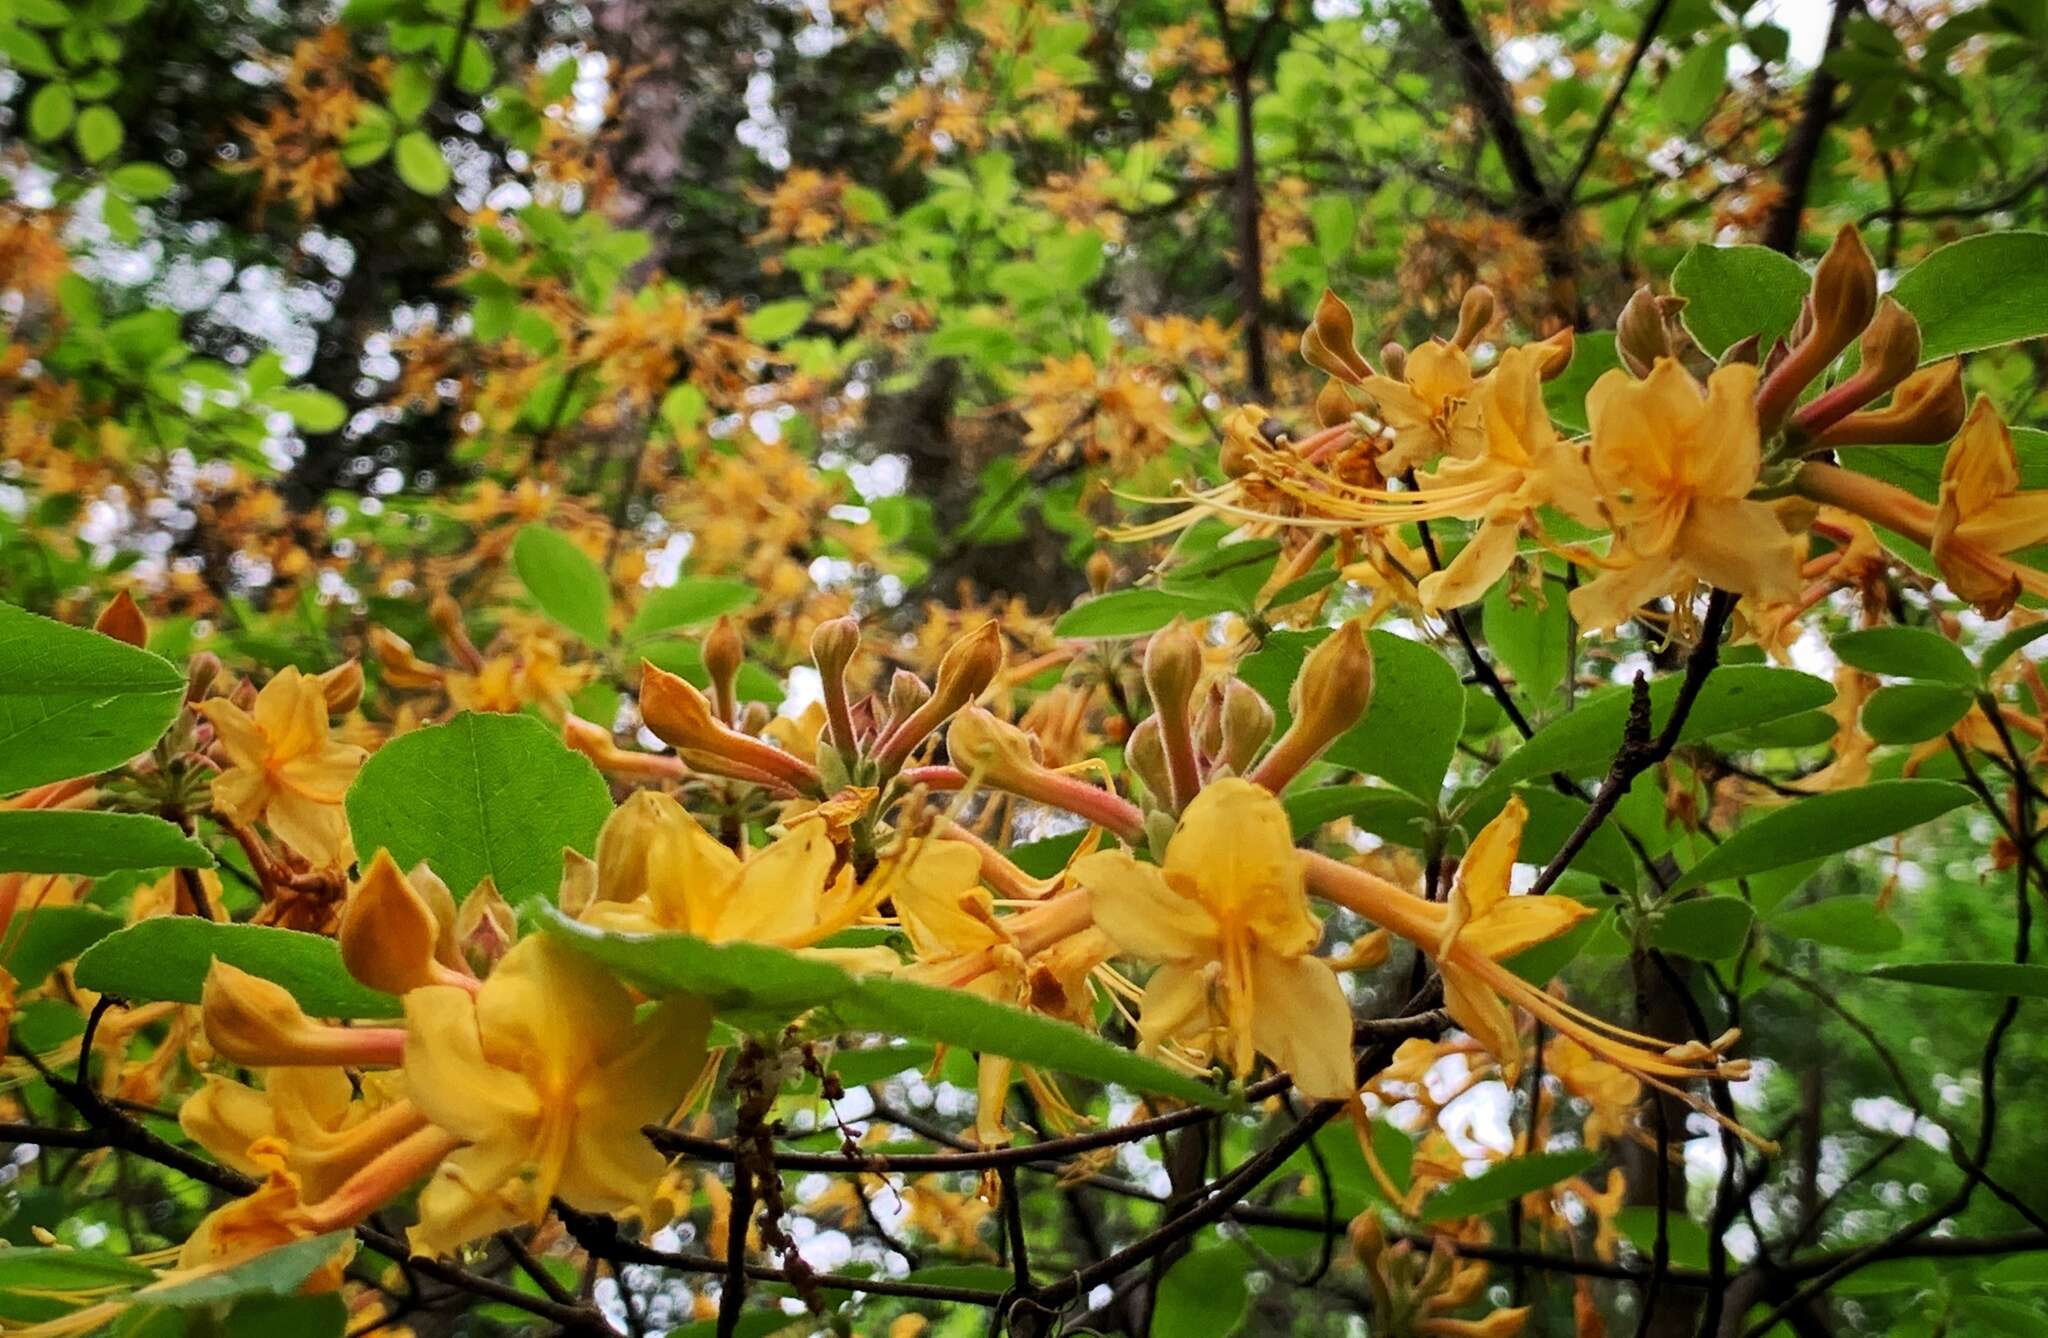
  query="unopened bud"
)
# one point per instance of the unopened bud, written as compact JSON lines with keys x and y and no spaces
{"x":1640,"y":335}
{"x":1395,"y":359}
{"x":446,"y":615}
{"x":485,"y":927}
{"x":1330,"y":343}
{"x":1556,"y":353}
{"x":1927,"y":407}
{"x":969,"y":667}
{"x":1145,"y":755}
{"x":754,"y":718}
{"x":723,"y":654}
{"x":907,"y":692}
{"x":1101,"y":571}
{"x":253,"y":1021}
{"x":342,"y":686}
{"x":1247,"y":724}
{"x":1173,"y":666}
{"x":391,"y":931}
{"x":834,"y":644}
{"x":991,"y":749}
{"x":1329,"y":696}
{"x":1744,"y":350}
{"x":397,"y":665}
{"x":681,"y":717}
{"x":1209,"y":723}
{"x":122,"y":620}
{"x":200,"y":672}
{"x":1891,"y":345}
{"x":1844,"y":293}
{"x":1475,"y":313}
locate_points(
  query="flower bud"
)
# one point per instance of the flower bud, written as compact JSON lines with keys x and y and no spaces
{"x":342,"y":686}
{"x":833,"y":646}
{"x":755,"y":717}
{"x":1395,"y":359}
{"x":969,"y":667}
{"x":1475,"y":313}
{"x":1556,"y":353}
{"x":907,"y":692}
{"x":1145,"y":755}
{"x":485,"y":927}
{"x":681,"y":717}
{"x":200,"y":672}
{"x":1101,"y":571}
{"x":1330,"y":343}
{"x":1747,"y":350}
{"x":1640,"y":335}
{"x":991,"y":749}
{"x":1173,"y":665}
{"x":722,"y":656}
{"x":1247,"y":724}
{"x":397,"y":665}
{"x":1844,"y":292}
{"x":390,"y":932}
{"x":1329,"y":696}
{"x":253,"y":1021}
{"x":1891,"y":345}
{"x":1927,"y":407}
{"x":122,"y":620}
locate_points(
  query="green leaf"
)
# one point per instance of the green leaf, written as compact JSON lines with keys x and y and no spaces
{"x":420,"y":164}
{"x":68,"y":841}
{"x":1552,"y":819}
{"x":2012,"y":643}
{"x":1978,"y":293}
{"x":690,"y":602}
{"x":1411,"y":725}
{"x":1204,"y":1294}
{"x":1732,"y":292}
{"x":1907,"y":652}
{"x":773,"y":322}
{"x":773,"y":984}
{"x":567,"y":585}
{"x":1504,"y":1181}
{"x":1530,"y":638}
{"x":1708,"y":928}
{"x":40,"y":940}
{"x":1593,"y":356}
{"x":98,"y":133}
{"x":1913,"y":712}
{"x":28,"y":52}
{"x":311,"y":410}
{"x":1826,"y":824}
{"x":1126,"y":613}
{"x":1692,"y":89}
{"x":1733,"y":697}
{"x":1849,"y":922}
{"x":483,"y":796}
{"x":167,"y":958}
{"x":74,"y":702}
{"x":1394,"y":815}
{"x":2024,"y":980}
{"x":141,"y":181}
{"x":1685,"y":1240}
{"x":50,"y":112}
{"x":277,"y":1272}
{"x":32,"y":1268}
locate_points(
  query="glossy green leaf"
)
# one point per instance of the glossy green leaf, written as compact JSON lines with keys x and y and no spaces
{"x":1126,"y":613}
{"x":1849,"y":922}
{"x":568,"y":586}
{"x":98,"y":133}
{"x":690,"y":602}
{"x":2027,"y":980}
{"x":483,"y":796}
{"x":1825,"y":824}
{"x":1392,"y":814}
{"x":1204,"y":1294}
{"x":70,"y":841}
{"x":74,"y":702}
{"x":420,"y":164}
{"x":275,"y":1272}
{"x":1978,"y":293}
{"x":2011,"y":644}
{"x":1907,"y":652}
{"x":1708,"y":928}
{"x":1732,"y":292}
{"x":167,"y":958}
{"x":1913,"y":712}
{"x":1504,"y":1181}
{"x":39,"y":940}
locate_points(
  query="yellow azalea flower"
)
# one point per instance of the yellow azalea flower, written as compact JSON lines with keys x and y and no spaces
{"x":1611,"y":1092}
{"x":1485,"y":922}
{"x":1675,"y":464}
{"x":285,"y":771}
{"x":1430,"y":409}
{"x":1226,"y":916}
{"x":1529,"y":467}
{"x":267,"y":1217}
{"x":658,"y":872}
{"x":326,"y":1131}
{"x":1983,"y":513}
{"x":547,"y":1077}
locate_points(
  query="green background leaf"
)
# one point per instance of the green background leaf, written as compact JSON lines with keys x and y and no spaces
{"x":73,"y":702}
{"x":167,"y":958}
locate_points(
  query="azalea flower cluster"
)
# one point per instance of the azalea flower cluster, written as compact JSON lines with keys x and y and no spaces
{"x":1714,"y":480}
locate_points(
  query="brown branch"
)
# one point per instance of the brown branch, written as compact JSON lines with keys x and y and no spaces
{"x":1651,"y":23}
{"x":1802,"y":149}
